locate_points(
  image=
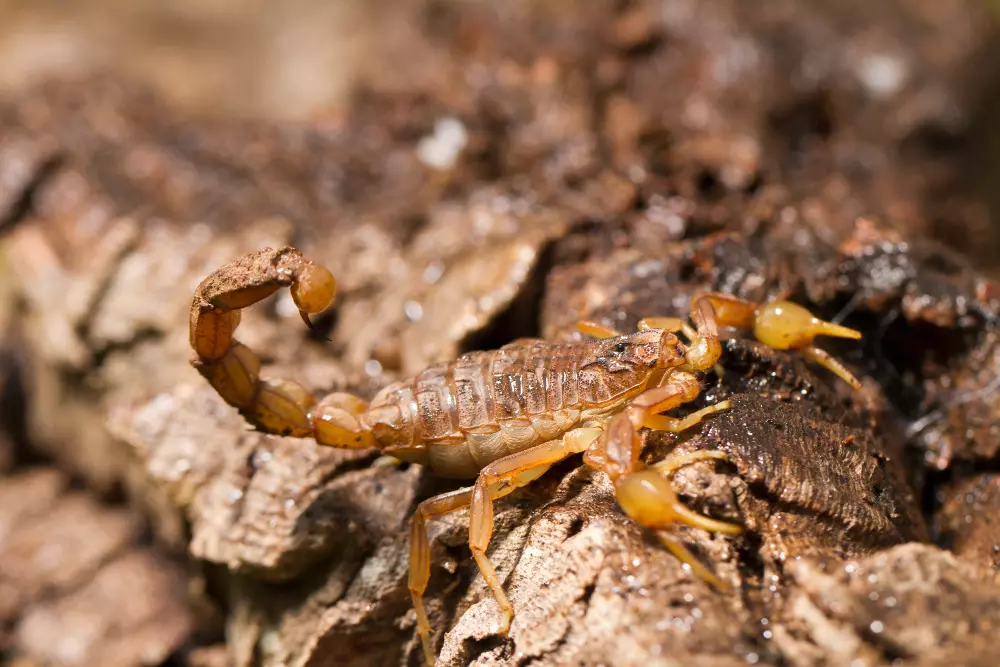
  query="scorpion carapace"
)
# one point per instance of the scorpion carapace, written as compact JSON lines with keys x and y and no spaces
{"x":501,"y":417}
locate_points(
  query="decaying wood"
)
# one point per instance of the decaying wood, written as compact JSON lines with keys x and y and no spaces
{"x":612,"y":167}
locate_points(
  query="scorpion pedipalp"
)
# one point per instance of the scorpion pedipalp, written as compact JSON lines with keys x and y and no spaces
{"x":783,"y":325}
{"x":645,"y":494}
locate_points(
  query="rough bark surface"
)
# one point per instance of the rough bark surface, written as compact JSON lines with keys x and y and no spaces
{"x":517,"y":171}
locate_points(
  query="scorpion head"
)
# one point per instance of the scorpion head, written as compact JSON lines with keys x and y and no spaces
{"x":642,"y":351}
{"x":615,"y":366}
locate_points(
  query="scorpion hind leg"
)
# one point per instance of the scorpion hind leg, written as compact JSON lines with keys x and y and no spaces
{"x":501,"y":478}
{"x":495,"y":481}
{"x":420,"y":556}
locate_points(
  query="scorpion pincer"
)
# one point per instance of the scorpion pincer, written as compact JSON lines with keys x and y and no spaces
{"x":501,"y":417}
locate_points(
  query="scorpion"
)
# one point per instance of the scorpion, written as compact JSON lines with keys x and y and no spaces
{"x":502,"y":417}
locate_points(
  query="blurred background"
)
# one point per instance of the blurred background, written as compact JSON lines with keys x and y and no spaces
{"x":247,"y":57}
{"x":298,"y":60}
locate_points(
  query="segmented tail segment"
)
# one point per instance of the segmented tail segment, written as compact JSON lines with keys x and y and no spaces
{"x":278,"y":406}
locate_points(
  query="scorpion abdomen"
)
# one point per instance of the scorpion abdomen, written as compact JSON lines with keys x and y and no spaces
{"x":486,"y":405}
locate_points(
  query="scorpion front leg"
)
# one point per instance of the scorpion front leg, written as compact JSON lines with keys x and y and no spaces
{"x":273,"y":405}
{"x":645,"y":494}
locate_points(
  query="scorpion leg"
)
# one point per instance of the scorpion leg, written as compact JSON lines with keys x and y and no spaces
{"x":784,"y":325}
{"x":420,"y":556}
{"x":502,"y":477}
{"x":273,"y":405}
{"x":596,"y":329}
{"x":672,"y":324}
{"x":495,"y":481}
{"x":645,"y":495}
{"x":681,"y":387}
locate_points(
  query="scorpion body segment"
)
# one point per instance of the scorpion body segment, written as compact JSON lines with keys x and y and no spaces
{"x":501,"y":417}
{"x":459,"y":417}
